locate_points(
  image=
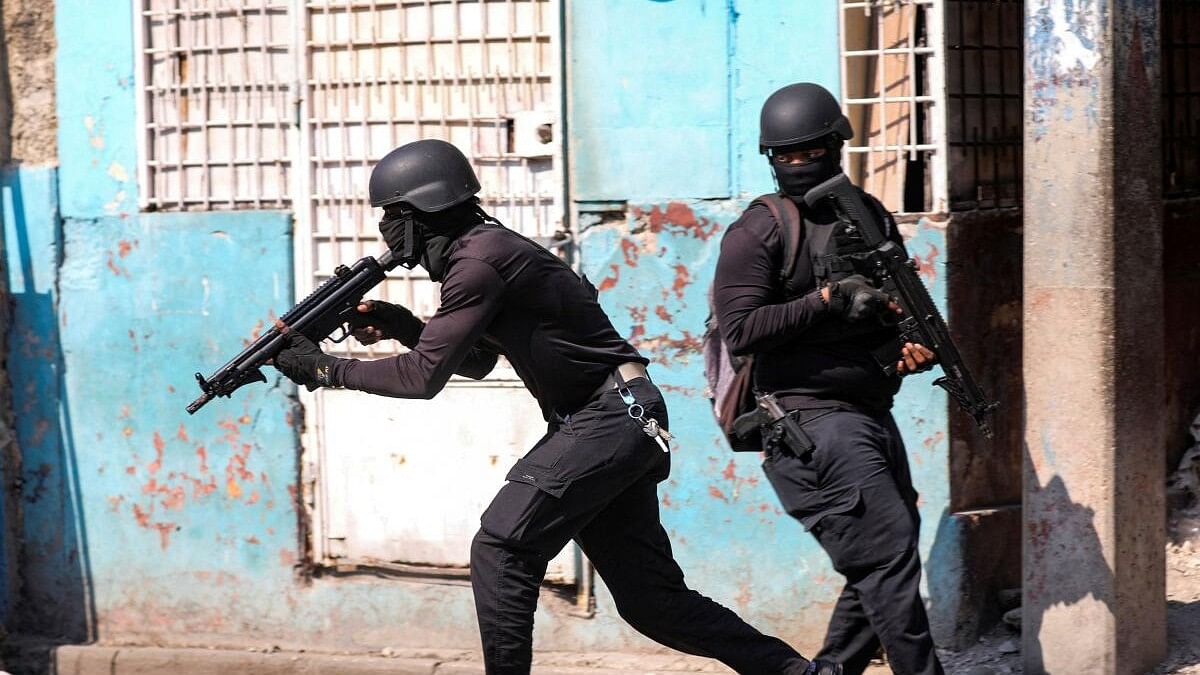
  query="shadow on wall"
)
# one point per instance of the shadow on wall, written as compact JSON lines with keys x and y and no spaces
{"x":1059,"y":533}
{"x":55,"y":597}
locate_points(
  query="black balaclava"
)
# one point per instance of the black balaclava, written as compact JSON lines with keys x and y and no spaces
{"x":425,"y":238}
{"x":794,"y":181}
{"x":402,"y":234}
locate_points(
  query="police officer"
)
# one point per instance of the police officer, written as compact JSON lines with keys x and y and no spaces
{"x":593,"y":476}
{"x":812,"y":348}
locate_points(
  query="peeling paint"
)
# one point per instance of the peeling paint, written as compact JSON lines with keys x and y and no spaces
{"x":675,"y":217}
{"x":117,"y":172}
{"x":927,"y":264}
{"x":610,"y":282}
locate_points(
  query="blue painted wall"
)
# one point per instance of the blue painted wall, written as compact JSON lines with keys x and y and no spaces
{"x":151,"y":525}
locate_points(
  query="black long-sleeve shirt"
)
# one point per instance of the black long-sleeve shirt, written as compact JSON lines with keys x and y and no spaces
{"x":801,"y":350}
{"x":515,"y":297}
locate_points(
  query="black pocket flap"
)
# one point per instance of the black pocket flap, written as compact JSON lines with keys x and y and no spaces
{"x":547,"y":480}
{"x":826,"y":505}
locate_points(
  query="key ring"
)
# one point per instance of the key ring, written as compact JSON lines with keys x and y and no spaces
{"x":641,"y":412}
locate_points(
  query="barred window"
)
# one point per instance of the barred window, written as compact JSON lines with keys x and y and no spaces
{"x":1181,"y":97}
{"x":984,"y":92}
{"x":891,"y":88}
{"x":214,"y":108}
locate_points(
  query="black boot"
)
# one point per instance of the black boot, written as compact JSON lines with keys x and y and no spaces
{"x":823,"y":667}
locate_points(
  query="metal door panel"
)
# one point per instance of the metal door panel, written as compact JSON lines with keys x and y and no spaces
{"x":482,"y":75}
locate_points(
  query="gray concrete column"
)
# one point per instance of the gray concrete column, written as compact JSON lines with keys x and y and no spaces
{"x":1094,"y":589}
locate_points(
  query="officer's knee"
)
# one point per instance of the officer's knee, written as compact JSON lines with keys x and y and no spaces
{"x":484,"y":549}
{"x":638,"y":613}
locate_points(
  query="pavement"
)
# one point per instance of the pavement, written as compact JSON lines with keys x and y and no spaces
{"x":137,"y":660}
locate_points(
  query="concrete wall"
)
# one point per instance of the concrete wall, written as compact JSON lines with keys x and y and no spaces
{"x":144,"y":524}
{"x":1093,"y":364}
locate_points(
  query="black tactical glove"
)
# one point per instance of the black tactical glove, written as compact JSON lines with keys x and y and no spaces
{"x":378,"y":320}
{"x":855,"y":299}
{"x":304,"y":363}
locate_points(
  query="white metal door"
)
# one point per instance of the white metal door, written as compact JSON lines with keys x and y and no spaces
{"x":405,"y":481}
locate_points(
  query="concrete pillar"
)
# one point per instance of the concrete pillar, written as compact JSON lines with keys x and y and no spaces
{"x":1094,"y":589}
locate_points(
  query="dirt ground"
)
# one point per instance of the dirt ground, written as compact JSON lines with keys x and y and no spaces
{"x":999,"y":653}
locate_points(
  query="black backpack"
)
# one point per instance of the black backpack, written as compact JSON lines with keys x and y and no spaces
{"x":730,"y":379}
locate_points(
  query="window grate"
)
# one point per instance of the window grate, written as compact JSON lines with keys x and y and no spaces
{"x":214,"y":104}
{"x":1181,"y":98}
{"x":891,"y":90}
{"x":984,"y":92}
{"x":480,"y":74}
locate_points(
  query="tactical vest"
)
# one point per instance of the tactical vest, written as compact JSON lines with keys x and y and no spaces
{"x":811,"y":258}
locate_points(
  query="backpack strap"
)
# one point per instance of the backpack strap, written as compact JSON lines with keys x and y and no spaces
{"x":784,"y":211}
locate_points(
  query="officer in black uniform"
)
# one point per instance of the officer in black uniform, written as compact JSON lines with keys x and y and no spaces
{"x":593,"y":476}
{"x":853,"y":492}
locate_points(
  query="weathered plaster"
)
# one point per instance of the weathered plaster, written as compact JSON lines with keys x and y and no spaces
{"x":27,"y":103}
{"x":1093,"y":363}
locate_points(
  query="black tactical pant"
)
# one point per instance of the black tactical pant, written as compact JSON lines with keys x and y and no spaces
{"x":855,"y":494}
{"x":594,"y":477}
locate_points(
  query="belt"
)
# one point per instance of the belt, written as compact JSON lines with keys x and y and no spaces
{"x":628,"y":371}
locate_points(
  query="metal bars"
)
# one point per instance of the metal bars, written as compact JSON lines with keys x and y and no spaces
{"x":984,"y":102}
{"x":478,"y":73}
{"x":213,"y":105}
{"x":1181,"y":97}
{"x":891,"y":93}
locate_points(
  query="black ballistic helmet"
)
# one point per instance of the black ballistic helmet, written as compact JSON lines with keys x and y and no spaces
{"x":798,"y":113}
{"x":430,"y":175}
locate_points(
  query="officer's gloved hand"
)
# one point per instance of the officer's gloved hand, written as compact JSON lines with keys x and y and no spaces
{"x":304,"y":363}
{"x":856,"y":299}
{"x":378,"y":320}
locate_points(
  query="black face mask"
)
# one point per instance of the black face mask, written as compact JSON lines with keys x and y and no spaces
{"x":402,"y":235}
{"x":436,"y":254}
{"x":425,"y":238}
{"x":796,"y":180}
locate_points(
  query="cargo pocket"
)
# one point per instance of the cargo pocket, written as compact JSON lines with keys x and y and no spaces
{"x":546,"y":479}
{"x":856,"y":540}
{"x":560,"y":460}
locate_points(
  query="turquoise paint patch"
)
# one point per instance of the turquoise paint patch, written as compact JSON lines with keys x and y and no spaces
{"x":649,"y":112}
{"x":97,"y":138}
{"x":198,"y":513}
{"x":778,"y":44}
{"x":145,"y":303}
{"x":921,"y":408}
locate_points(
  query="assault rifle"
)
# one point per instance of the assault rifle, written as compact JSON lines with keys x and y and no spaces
{"x":333,"y":305}
{"x":896,"y":275}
